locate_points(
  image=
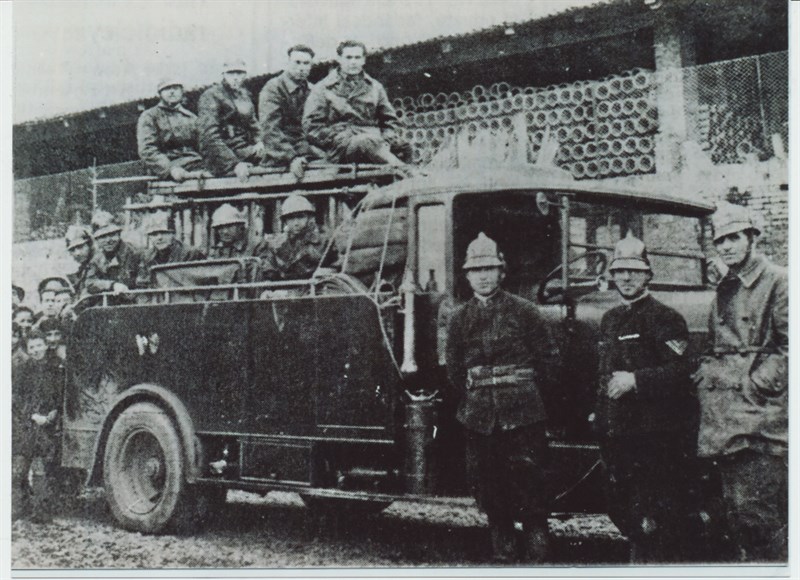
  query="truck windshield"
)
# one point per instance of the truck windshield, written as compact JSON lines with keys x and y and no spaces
{"x":674,"y":243}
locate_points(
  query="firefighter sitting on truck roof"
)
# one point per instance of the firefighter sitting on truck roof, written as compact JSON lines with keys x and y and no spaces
{"x":230,"y":138}
{"x":164,"y":248}
{"x":280,"y":113}
{"x":349,"y":116}
{"x":168,"y":137}
{"x":497,"y":355}
{"x":115,"y":265}
{"x":297,"y":252}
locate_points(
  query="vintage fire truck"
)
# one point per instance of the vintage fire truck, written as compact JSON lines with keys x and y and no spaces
{"x":334,"y":387}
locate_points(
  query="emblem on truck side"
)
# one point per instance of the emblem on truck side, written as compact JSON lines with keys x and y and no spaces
{"x":145,"y":343}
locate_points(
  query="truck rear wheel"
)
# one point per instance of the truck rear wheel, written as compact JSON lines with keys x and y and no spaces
{"x":143,"y":470}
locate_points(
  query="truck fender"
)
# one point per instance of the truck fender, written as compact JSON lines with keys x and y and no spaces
{"x":174,"y":407}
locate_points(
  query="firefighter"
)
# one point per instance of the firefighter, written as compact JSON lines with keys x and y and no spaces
{"x":230,"y":138}
{"x":496,"y":346}
{"x":167,"y":135}
{"x":164,"y":248}
{"x":646,"y":412}
{"x":297,"y":252}
{"x":230,"y":235}
{"x":116,"y":264}
{"x":743,"y":388}
{"x":280,"y":113}
{"x":81,"y":247}
{"x":349,"y":116}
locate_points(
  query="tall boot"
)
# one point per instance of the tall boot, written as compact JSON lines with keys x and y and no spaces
{"x":502,"y":534}
{"x":536,"y":543}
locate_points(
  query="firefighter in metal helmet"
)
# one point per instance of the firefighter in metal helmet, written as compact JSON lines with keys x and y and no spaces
{"x":115,"y":264}
{"x":497,"y":348}
{"x":230,"y":235}
{"x":164,"y":248}
{"x":743,"y":389}
{"x":167,"y":135}
{"x":298,"y":251}
{"x":80,"y":246}
{"x":646,"y":413}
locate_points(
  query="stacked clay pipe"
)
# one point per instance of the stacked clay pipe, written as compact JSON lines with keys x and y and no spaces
{"x":603,"y":128}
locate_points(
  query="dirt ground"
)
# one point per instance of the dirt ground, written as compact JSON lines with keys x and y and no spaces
{"x":278,"y":531}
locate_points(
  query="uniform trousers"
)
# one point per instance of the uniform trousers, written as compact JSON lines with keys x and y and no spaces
{"x":507,"y":474}
{"x":755,"y":490}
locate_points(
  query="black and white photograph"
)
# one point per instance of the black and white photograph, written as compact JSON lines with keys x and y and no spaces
{"x":394,"y":288}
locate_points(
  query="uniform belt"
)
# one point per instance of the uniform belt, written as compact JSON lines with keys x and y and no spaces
{"x":502,"y":375}
{"x":718,"y":350}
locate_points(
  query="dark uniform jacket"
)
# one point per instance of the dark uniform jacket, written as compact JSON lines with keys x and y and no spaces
{"x":745,"y":377}
{"x":124,"y":266}
{"x":176,"y":252}
{"x":78,"y":279}
{"x":650,"y":340}
{"x":297,"y":258}
{"x":280,"y":114}
{"x":338,"y":108}
{"x":228,"y":127}
{"x":37,"y":387}
{"x":239,"y":249}
{"x":168,"y":137}
{"x":495,"y":355}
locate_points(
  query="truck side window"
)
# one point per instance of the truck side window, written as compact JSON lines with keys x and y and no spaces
{"x":431,"y":233}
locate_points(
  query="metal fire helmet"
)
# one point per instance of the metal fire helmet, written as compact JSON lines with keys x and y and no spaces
{"x":730,"y":218}
{"x":234,"y":65}
{"x":226,"y":215}
{"x":77,"y":236}
{"x":160,"y":222}
{"x":482,"y":252}
{"x":630,"y":253}
{"x":103,"y":224}
{"x":170,"y":81}
{"x":296,"y":204}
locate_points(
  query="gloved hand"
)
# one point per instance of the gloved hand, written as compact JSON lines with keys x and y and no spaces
{"x":242,"y":171}
{"x":259,"y":149}
{"x":298,"y":167}
{"x":178,"y":173}
{"x":621,"y":382}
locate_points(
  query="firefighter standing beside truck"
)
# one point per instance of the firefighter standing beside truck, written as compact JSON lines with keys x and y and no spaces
{"x":496,"y":342}
{"x":646,"y":412}
{"x":743,"y":388}
{"x":81,"y":248}
{"x":167,"y":135}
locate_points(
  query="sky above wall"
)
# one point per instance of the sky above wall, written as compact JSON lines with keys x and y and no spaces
{"x":70,"y":56}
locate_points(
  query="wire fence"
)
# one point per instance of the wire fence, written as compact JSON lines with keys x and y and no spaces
{"x":738,"y":109}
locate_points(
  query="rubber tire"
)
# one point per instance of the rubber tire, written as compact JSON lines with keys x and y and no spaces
{"x":144,"y":439}
{"x":344,"y":507}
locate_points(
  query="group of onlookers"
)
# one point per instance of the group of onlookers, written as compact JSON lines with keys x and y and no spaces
{"x":345,"y":118}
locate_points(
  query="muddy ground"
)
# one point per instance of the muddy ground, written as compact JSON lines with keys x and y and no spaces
{"x":278,"y":531}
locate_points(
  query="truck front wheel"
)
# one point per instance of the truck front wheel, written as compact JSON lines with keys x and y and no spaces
{"x":143,"y":469}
